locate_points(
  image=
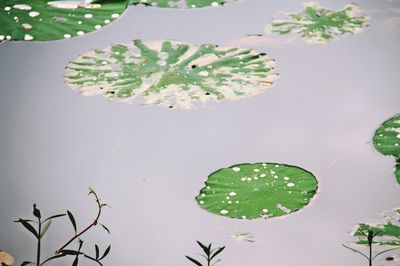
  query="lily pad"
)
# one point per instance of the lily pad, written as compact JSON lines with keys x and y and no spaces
{"x":171,"y":74}
{"x":249,"y":191}
{"x":318,"y":25}
{"x":43,"y":20}
{"x":387,"y":230}
{"x":387,"y":140}
{"x":180,"y":3}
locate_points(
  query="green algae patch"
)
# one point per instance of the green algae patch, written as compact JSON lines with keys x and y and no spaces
{"x":319,"y":25}
{"x":387,"y":141}
{"x":259,"y":190}
{"x":171,"y":74}
{"x":42,"y":20}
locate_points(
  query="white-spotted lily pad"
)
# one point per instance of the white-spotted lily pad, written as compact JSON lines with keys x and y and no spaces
{"x":387,"y":140}
{"x":171,"y":74}
{"x":249,"y":191}
{"x":43,"y":20}
{"x":318,"y":25}
{"x":180,"y":3}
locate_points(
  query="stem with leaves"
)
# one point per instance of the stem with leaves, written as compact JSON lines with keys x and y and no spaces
{"x":209,"y":254}
{"x":370,"y":235}
{"x":43,"y":226}
{"x":94,"y":223}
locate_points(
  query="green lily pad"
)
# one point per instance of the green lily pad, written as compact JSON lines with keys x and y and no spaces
{"x":387,"y":140}
{"x":387,"y":230}
{"x":318,"y":25}
{"x":171,"y":74}
{"x":249,"y":191}
{"x":43,"y":20}
{"x":180,"y":3}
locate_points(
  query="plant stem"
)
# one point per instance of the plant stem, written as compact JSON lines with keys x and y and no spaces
{"x":370,"y":241}
{"x":39,"y":243}
{"x":88,"y":227}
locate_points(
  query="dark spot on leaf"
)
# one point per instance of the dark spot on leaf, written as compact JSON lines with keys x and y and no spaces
{"x":389,"y":258}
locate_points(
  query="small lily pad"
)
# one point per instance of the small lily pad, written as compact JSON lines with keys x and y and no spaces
{"x":171,"y":74}
{"x":180,"y":3}
{"x":318,"y":25}
{"x":250,"y":191}
{"x":43,"y":20}
{"x":387,"y":140}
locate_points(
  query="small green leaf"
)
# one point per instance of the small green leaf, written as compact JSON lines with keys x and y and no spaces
{"x":205,"y":249}
{"x":55,"y":216}
{"x":75,"y":263}
{"x":52,"y":258}
{"x":217,"y":252}
{"x":105,"y":228}
{"x":106,"y":252}
{"x":45,"y":227}
{"x":28,"y":227}
{"x":96,"y":247}
{"x":72,"y":219}
{"x":70,"y":252}
{"x":194,"y":261}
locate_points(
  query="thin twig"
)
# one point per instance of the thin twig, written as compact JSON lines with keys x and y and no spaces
{"x":99,"y":205}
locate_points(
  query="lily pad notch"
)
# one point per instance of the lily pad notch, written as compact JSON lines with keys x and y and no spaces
{"x":387,"y":141}
{"x":320,"y":25}
{"x":43,"y":20}
{"x":258,"y":190}
{"x":171,"y":74}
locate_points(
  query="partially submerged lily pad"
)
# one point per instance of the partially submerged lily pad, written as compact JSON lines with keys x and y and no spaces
{"x":6,"y":259}
{"x":318,"y":25}
{"x":387,"y":140}
{"x":249,"y":191}
{"x":387,"y":230}
{"x":43,"y":20}
{"x":171,"y":74}
{"x":380,"y":238}
{"x":180,"y":3}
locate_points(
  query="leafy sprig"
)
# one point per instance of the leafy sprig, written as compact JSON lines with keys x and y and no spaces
{"x":209,"y":254}
{"x":40,"y":226}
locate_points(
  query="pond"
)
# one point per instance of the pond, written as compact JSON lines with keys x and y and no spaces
{"x":248,"y":124}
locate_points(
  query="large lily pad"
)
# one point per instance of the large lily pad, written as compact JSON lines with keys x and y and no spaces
{"x":44,"y":20}
{"x":249,"y":191}
{"x":180,"y":3}
{"x":318,"y":25}
{"x":387,"y":140}
{"x":171,"y":74}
